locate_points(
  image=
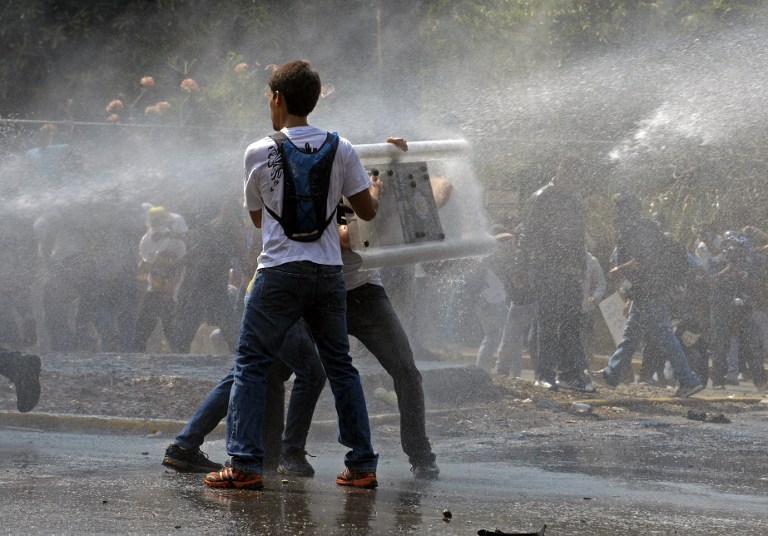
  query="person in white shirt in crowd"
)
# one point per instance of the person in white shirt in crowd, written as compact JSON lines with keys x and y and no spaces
{"x":163,"y":251}
{"x":594,"y":290}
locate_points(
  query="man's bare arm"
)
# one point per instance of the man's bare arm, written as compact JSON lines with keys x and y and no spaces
{"x":441,"y":190}
{"x":366,"y":203}
{"x":256,"y":217}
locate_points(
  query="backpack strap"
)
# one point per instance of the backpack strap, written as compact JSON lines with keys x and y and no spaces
{"x":279,"y":138}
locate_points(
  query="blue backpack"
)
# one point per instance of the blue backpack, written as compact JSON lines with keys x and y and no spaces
{"x":306,"y":179}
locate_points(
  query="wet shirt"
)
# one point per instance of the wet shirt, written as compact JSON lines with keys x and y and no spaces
{"x":738,"y":286}
{"x":641,"y":239}
{"x":264,"y":187}
{"x":554,"y":226}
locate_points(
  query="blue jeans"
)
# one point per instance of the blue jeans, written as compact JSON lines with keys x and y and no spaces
{"x":280,"y":296}
{"x":299,"y":355}
{"x":649,"y":318}
{"x":492,"y":317}
{"x":372,"y":320}
{"x":516,"y":330}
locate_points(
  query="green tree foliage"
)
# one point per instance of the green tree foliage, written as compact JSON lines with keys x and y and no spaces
{"x":90,"y":49}
{"x":62,"y":56}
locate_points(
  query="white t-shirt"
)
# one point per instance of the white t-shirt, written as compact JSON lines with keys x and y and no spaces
{"x":151,"y":247}
{"x":357,"y":278}
{"x":264,"y":186}
{"x":493,"y":291}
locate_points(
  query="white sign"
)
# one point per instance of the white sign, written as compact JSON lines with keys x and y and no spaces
{"x":612,"y":308}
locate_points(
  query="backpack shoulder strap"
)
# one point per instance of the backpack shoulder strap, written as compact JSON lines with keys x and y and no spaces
{"x":332,"y":138}
{"x":279,"y":137}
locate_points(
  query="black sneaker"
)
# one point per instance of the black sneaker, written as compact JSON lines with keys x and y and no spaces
{"x":425,"y":470}
{"x":580,"y":385}
{"x":685,"y":392}
{"x":295,"y":463}
{"x":188,"y":460}
{"x":27,"y":382}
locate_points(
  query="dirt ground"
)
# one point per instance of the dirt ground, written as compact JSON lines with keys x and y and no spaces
{"x":510,"y":405}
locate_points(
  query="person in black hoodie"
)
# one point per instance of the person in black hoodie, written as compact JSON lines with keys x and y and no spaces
{"x":640,"y":259}
{"x":552,"y":255}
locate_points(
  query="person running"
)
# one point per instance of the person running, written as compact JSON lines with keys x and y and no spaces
{"x":295,"y":279}
{"x":640,"y":249}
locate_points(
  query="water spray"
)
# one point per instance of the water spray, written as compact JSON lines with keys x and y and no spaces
{"x":413,"y":224}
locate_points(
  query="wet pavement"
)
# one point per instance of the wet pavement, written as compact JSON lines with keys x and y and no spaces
{"x":660,"y":475}
{"x":654,"y":477}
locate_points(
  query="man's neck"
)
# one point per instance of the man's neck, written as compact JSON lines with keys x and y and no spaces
{"x":296,"y":121}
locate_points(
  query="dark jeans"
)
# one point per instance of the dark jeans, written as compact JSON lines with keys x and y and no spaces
{"x":559,"y":298}
{"x":66,"y":281}
{"x":155,"y":306}
{"x":203,"y":299}
{"x":280,"y":296}
{"x":653,"y":362}
{"x":727,"y":323}
{"x":372,"y":320}
{"x":9,"y":364}
{"x":298,"y":355}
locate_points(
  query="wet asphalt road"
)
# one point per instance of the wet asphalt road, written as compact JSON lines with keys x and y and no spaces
{"x":651,"y":477}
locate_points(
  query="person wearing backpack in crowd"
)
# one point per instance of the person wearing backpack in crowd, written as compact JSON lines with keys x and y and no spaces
{"x":644,"y":258}
{"x":552,"y":255}
{"x":293,"y":183}
{"x":737,"y":279}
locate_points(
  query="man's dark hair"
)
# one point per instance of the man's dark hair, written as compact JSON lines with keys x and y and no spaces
{"x":299,"y":84}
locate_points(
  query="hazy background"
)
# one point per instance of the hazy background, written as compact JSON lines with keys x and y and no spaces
{"x":663,"y":98}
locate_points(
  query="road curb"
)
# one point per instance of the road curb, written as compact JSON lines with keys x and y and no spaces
{"x":60,"y":422}
{"x":627,"y":401}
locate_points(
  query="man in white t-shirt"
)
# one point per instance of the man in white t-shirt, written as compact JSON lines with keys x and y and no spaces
{"x":297,"y":279}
